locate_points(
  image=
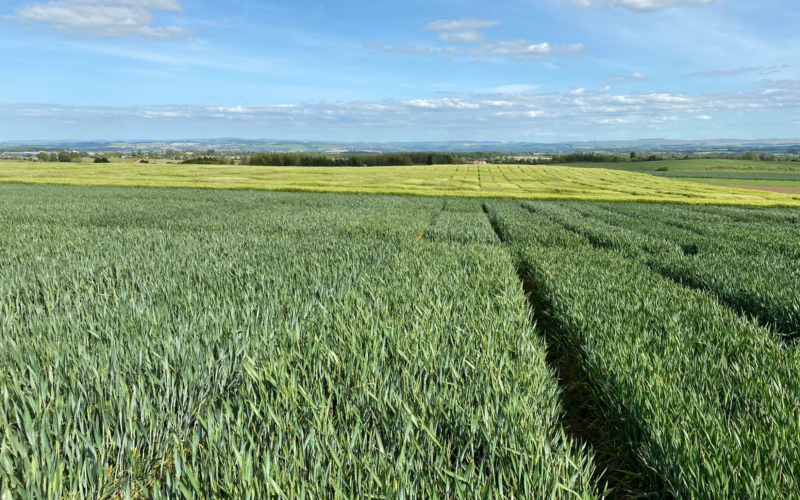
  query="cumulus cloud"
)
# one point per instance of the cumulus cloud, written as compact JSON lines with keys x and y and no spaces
{"x":103,"y":18}
{"x":508,"y":110}
{"x":636,"y":5}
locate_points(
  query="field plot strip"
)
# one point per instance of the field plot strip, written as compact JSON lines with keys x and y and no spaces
{"x":702,"y":398}
{"x":751,"y":267}
{"x":168,"y":343}
{"x":462,"y":221}
{"x":479,"y":181}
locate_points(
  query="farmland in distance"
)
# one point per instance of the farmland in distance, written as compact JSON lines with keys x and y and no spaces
{"x":533,"y":182}
{"x":164,"y":343}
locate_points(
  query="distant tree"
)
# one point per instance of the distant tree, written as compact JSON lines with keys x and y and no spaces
{"x":43,"y":156}
{"x":751,"y":155}
{"x":204,"y":160}
{"x":64,"y":157}
{"x":633,"y":155}
{"x":101,"y":159}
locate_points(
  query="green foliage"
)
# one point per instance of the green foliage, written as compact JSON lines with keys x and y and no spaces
{"x":703,"y":400}
{"x":750,"y":265}
{"x":355,"y":160}
{"x":200,"y":160}
{"x":461,"y":221}
{"x":751,"y":155}
{"x":101,"y":159}
{"x":203,"y":344}
{"x":587,"y":158}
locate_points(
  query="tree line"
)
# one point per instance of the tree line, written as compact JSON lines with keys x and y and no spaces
{"x":354,"y":160}
{"x":63,"y":157}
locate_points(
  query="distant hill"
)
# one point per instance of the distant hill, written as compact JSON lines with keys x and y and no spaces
{"x":263,"y":145}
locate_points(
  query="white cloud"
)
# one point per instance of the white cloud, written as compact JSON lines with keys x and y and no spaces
{"x":461,"y":36}
{"x":496,"y":111}
{"x":463,"y":24}
{"x":103,"y":18}
{"x":636,"y":5}
{"x":517,"y":50}
{"x":521,"y":50}
{"x":464,"y":31}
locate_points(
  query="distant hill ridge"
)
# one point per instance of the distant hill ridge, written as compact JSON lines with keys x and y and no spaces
{"x":265,"y":145}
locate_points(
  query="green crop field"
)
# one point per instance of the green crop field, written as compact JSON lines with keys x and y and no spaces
{"x":481,"y":181}
{"x":198,"y":343}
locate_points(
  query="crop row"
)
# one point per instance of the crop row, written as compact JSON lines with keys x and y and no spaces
{"x":761,"y":282}
{"x":462,"y":221}
{"x":705,"y":402}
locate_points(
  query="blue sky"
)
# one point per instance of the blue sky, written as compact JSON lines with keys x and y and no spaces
{"x":400,"y":70}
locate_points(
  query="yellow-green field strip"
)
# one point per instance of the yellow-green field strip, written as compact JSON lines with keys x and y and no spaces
{"x":480,"y":181}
